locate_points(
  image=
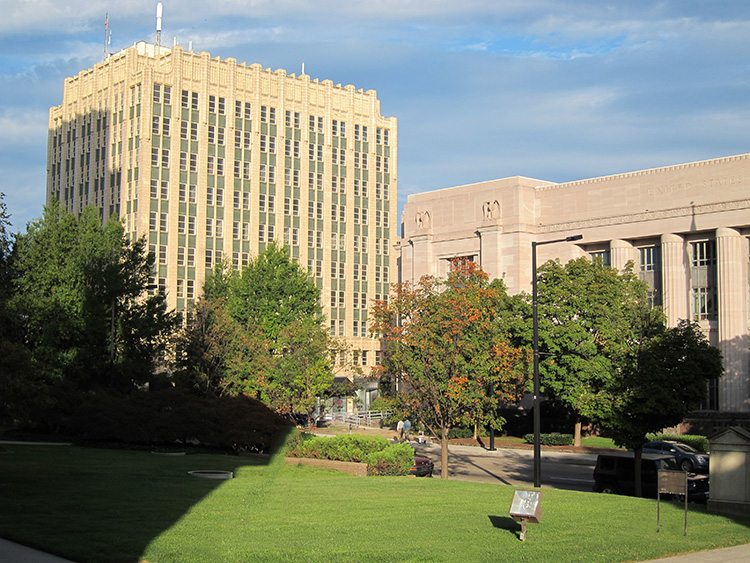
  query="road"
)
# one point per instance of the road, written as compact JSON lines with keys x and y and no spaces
{"x":515,"y":467}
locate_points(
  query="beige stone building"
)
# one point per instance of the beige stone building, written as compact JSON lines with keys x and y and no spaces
{"x":210,"y":159}
{"x":686,"y":229}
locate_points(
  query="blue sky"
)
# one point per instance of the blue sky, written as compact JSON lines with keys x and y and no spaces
{"x":557,"y":90}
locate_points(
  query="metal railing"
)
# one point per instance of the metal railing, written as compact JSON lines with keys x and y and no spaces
{"x":359,"y":418}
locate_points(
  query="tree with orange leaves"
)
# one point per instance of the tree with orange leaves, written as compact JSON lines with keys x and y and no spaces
{"x":447,"y":345}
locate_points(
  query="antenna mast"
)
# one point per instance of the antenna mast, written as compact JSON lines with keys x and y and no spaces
{"x":106,"y":28}
{"x":159,"y":12}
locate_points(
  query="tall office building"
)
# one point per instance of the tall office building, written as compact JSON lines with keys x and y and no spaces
{"x":685,"y":228}
{"x":211,"y":160}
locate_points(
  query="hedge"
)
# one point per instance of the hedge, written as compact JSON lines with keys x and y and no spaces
{"x":394,"y":460}
{"x":553,"y":439}
{"x":381,"y":457}
{"x":171,"y":417}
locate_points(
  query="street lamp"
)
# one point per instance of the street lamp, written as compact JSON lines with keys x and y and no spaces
{"x":535,"y":321}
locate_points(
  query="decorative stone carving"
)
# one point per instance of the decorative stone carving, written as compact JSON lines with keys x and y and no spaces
{"x":490,"y":210}
{"x":423,"y":220}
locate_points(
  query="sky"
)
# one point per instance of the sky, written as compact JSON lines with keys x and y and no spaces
{"x":556,"y":90}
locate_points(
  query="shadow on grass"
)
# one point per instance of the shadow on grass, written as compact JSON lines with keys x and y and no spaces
{"x":506,"y":523}
{"x":96,"y":504}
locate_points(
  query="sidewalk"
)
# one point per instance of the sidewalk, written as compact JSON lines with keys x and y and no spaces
{"x":725,"y":555}
{"x":477,"y":451}
{"x":14,"y":553}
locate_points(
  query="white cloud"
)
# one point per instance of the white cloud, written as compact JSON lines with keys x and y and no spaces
{"x":23,"y":127}
{"x":555,"y":89}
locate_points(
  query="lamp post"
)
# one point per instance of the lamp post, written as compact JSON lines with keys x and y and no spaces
{"x":535,"y":325}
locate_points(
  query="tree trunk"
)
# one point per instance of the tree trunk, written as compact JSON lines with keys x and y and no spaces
{"x":444,"y":452}
{"x":577,"y":433}
{"x":638,"y":455}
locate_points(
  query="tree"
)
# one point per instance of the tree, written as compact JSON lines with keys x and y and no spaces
{"x":304,"y":372}
{"x":15,"y":387}
{"x":667,"y":378}
{"x":259,"y":332}
{"x":589,"y":319}
{"x":274,"y":291}
{"x":81,"y":305}
{"x":446,"y":345}
{"x":220,"y":356}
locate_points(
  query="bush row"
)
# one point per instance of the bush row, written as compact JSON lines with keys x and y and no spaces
{"x":700,"y":443}
{"x":553,"y":439}
{"x":394,"y":460}
{"x":168,"y":417}
{"x":381,"y":457}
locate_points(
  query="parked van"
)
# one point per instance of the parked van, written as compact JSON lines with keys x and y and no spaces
{"x":615,"y":473}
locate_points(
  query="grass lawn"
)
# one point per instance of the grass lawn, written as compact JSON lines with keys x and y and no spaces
{"x":126,"y":506}
{"x":598,"y":442}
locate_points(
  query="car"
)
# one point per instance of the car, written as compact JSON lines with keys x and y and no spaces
{"x":423,"y":466}
{"x":689,"y":458}
{"x":615,"y":473}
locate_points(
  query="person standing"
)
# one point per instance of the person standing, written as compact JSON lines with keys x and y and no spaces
{"x":400,"y":431}
{"x":407,"y":427}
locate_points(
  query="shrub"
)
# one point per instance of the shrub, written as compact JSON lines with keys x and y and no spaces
{"x":346,"y":447}
{"x":394,"y":460}
{"x":293,"y":443}
{"x":168,"y":417}
{"x":700,"y":443}
{"x":553,"y":439}
{"x":382,"y":457}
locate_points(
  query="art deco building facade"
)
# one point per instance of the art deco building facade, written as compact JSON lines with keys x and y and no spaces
{"x":685,"y":228}
{"x":211,"y":160}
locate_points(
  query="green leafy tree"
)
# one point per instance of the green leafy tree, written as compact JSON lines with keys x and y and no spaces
{"x":589,"y":320}
{"x":259,"y":332}
{"x":16,"y":382}
{"x":446,"y":345}
{"x":274,"y":291}
{"x":80,"y":298}
{"x":304,"y":371}
{"x":667,"y":379}
{"x":220,"y":356}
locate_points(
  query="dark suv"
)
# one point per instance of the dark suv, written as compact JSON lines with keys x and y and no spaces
{"x":615,"y":473}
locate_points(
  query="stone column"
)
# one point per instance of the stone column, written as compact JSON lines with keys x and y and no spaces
{"x":675,"y":278}
{"x":732,"y":260}
{"x":621,"y":252}
{"x":490,"y":249}
{"x":422,"y":257}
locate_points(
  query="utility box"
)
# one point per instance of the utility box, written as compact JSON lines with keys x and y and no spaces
{"x":729,"y":472}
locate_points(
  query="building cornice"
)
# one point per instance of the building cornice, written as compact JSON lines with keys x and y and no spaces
{"x":645,"y":216}
{"x":642,"y":173}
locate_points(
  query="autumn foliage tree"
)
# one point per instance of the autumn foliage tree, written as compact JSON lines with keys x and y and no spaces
{"x":446,"y":344}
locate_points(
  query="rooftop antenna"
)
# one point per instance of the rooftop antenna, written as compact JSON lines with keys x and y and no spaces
{"x":106,"y":29}
{"x":159,"y":12}
{"x":303,"y":68}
